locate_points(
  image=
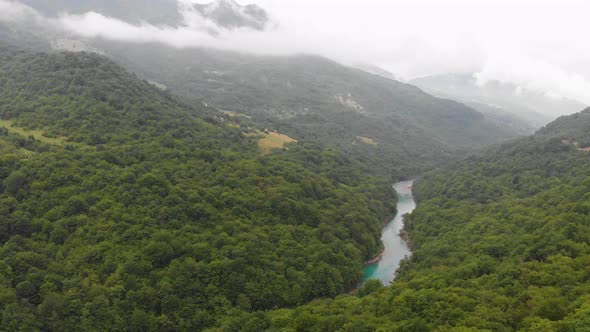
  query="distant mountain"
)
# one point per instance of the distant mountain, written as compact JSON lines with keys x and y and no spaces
{"x":504,"y":118}
{"x":230,"y":15}
{"x":533,"y":107}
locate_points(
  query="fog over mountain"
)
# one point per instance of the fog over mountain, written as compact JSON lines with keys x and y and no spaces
{"x":547,"y":55}
{"x":228,"y":14}
{"x":155,"y":12}
{"x":495,"y":98}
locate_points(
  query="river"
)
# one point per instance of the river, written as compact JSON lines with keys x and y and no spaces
{"x":396,"y":248}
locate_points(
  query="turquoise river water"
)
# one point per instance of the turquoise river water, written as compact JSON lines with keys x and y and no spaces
{"x":396,"y":248}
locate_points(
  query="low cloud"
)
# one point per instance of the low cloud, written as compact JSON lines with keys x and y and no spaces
{"x":536,"y":75}
{"x":95,"y":25}
{"x":538,"y":45}
{"x":17,"y":13}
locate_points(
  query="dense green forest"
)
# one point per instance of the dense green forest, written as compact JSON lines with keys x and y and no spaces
{"x":124,"y":207}
{"x":501,"y":242}
{"x":129,"y":209}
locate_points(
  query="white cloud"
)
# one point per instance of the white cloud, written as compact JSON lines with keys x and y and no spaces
{"x":535,"y":44}
{"x":16,"y":13}
{"x":535,"y":74}
{"x":95,"y":25}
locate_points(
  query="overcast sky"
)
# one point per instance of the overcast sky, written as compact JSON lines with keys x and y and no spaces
{"x":543,"y":45}
{"x":540,"y":45}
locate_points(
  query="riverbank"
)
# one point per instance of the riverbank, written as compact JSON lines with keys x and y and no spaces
{"x":376,"y":259}
{"x":386,"y":221}
{"x":404,"y":236}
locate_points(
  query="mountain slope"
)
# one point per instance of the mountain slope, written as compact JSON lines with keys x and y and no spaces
{"x":574,"y":128}
{"x":292,"y":84}
{"x":314,"y":98}
{"x":126,"y":208}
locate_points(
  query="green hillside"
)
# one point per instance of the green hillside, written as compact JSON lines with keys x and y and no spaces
{"x":124,"y":208}
{"x":574,"y":128}
{"x":314,"y":98}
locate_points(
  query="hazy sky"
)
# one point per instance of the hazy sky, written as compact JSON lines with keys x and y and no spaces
{"x":543,"y":45}
{"x":540,"y":45}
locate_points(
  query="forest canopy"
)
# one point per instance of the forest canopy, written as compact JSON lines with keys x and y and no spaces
{"x":129,"y":209}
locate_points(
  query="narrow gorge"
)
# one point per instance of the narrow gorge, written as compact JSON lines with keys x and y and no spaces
{"x":395,"y":247}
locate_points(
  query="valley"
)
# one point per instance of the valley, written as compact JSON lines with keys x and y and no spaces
{"x":498,"y":243}
{"x":233,"y":166}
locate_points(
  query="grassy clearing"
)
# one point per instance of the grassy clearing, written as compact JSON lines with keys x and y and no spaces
{"x":231,"y":114}
{"x":367,"y":140}
{"x":272,"y":140}
{"x":37,"y":133}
